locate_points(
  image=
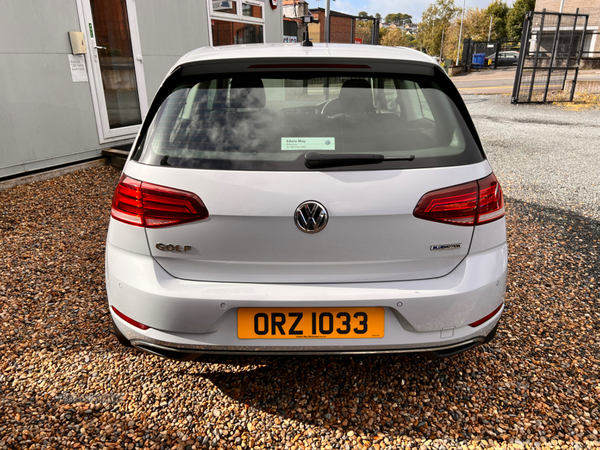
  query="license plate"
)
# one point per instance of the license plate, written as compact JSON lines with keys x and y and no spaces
{"x":310,"y":323}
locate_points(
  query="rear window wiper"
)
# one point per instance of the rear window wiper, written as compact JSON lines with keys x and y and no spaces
{"x":314,"y":160}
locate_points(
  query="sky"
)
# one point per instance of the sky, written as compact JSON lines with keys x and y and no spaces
{"x":384,"y":7}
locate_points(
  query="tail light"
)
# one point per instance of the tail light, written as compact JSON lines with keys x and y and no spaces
{"x":491,"y":200}
{"x":150,"y":205}
{"x":468,"y":204}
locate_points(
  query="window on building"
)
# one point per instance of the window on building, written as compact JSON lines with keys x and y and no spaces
{"x":237,"y":22}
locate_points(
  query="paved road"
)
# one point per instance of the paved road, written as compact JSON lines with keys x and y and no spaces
{"x":499,"y":81}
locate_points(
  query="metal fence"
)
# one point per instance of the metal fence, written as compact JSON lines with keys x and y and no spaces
{"x":589,"y":50}
{"x":551,"y":50}
{"x":489,"y":49}
{"x":366,"y":31}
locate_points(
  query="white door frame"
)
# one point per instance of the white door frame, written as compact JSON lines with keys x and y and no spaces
{"x":105,"y":133}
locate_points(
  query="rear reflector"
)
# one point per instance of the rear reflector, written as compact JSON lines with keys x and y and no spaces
{"x":486,"y":318}
{"x":469,"y":204}
{"x":150,"y":205}
{"x":129,"y":320}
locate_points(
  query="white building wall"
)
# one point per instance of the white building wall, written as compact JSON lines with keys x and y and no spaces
{"x":167,"y":33}
{"x":45,"y":118}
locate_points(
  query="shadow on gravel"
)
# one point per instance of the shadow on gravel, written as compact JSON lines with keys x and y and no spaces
{"x":389,"y":394}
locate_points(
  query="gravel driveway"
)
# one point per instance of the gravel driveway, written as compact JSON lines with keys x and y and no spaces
{"x":542,"y":154}
{"x":65,"y":382}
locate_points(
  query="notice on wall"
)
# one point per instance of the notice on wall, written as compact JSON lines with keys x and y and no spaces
{"x":78,"y":70}
{"x":289,"y":143}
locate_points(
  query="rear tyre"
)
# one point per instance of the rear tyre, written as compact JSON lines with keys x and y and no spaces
{"x":120,"y":337}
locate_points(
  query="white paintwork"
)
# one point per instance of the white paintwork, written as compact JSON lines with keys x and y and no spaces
{"x":250,"y":235}
{"x":197,"y":315}
{"x":297,"y":51}
{"x":411,"y":61}
{"x":190,"y":312}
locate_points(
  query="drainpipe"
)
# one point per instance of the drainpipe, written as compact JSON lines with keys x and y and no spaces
{"x":327,"y":19}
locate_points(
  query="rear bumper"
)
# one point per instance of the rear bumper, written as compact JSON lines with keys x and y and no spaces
{"x":166,"y":350}
{"x":188,"y":318}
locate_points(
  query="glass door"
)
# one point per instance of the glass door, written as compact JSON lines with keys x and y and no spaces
{"x":116,"y":62}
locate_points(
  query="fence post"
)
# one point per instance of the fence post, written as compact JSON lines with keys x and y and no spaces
{"x":535,"y":57}
{"x":579,"y":53}
{"x":570,"y":50}
{"x":553,"y":56}
{"x":497,"y":54}
{"x":524,"y":48}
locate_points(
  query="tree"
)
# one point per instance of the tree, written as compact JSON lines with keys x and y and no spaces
{"x":515,"y":17}
{"x":364,"y":27}
{"x":499,"y":11}
{"x":475,"y":26}
{"x":435,"y":19}
{"x":395,"y":37}
{"x":382,"y":33}
{"x":364,"y":32}
{"x":398,"y":19}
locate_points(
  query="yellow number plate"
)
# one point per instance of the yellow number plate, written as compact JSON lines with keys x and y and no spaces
{"x":310,"y":323}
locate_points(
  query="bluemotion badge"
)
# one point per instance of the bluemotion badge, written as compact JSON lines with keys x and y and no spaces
{"x":445,"y":247}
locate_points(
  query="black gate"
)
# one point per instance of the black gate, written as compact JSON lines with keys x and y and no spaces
{"x":551,"y":50}
{"x":491,"y":51}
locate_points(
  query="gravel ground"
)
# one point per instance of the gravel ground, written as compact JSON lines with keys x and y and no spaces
{"x":543,"y":154}
{"x":65,"y":382}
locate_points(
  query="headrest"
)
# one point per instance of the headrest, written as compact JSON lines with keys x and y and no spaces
{"x":356,"y":96}
{"x":247,"y":92}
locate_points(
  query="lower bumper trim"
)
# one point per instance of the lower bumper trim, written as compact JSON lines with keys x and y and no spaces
{"x":182,"y":354}
{"x":447,"y":352}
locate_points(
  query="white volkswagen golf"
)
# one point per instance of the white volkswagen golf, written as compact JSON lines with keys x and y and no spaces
{"x":282,"y":199}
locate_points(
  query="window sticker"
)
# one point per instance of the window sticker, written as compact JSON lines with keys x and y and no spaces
{"x":221,"y":4}
{"x":320,"y":143}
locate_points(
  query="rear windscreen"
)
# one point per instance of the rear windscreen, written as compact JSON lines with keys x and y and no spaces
{"x":269,"y":121}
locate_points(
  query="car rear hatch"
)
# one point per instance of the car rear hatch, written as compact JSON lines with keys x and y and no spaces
{"x":251,"y":234}
{"x":240,"y":144}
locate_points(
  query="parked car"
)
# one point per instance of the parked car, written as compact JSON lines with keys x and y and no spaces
{"x":508,"y":58}
{"x":306,"y":200}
